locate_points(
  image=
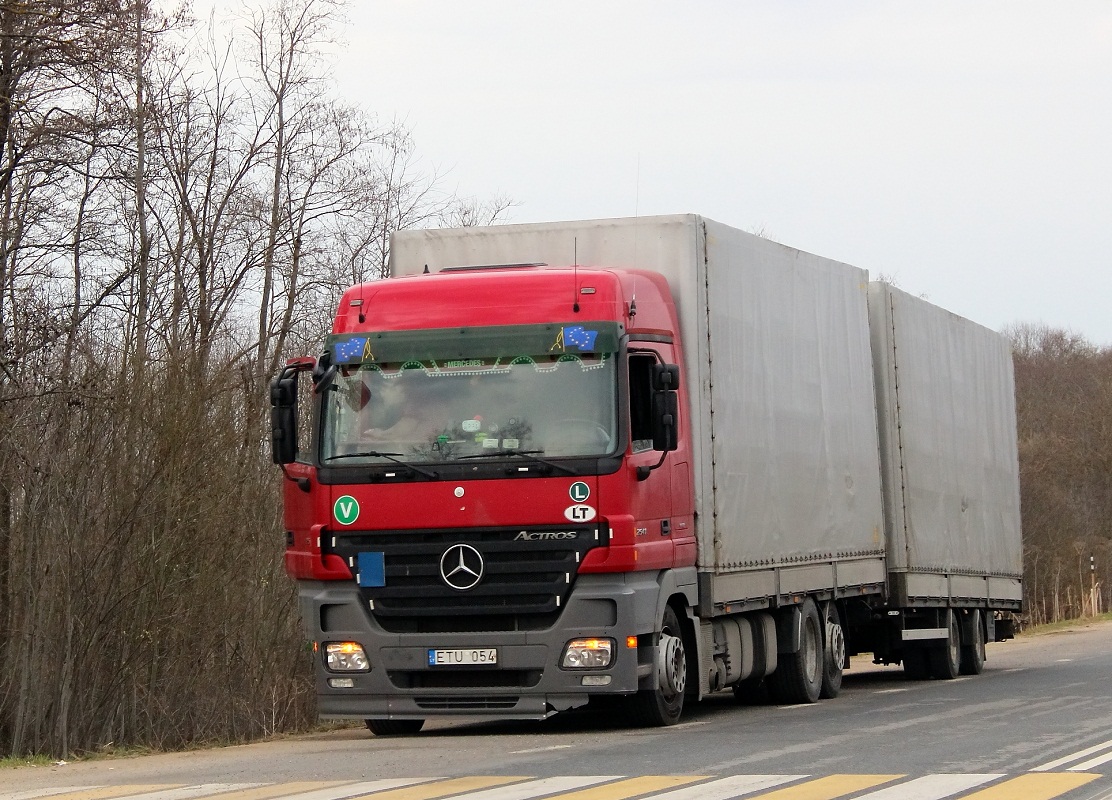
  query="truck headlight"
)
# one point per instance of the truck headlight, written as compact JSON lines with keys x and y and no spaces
{"x":346,"y":657}
{"x":588,"y":654}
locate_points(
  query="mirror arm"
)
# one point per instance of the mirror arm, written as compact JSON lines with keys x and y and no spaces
{"x":644,"y":469}
{"x":303,"y":483}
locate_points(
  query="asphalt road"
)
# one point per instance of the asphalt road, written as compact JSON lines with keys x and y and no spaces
{"x":1036,"y":724}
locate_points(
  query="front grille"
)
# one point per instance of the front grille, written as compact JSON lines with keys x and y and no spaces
{"x":527,"y":574}
{"x":465,"y":679}
{"x":495,"y":703}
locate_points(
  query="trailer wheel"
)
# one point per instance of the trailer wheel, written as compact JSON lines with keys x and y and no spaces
{"x":663,"y":704}
{"x":798,"y":677}
{"x":834,"y":654}
{"x":946,"y":660}
{"x":394,"y":727}
{"x":973,"y":653}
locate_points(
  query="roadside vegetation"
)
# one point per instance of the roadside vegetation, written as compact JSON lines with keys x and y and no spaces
{"x":182,"y":205}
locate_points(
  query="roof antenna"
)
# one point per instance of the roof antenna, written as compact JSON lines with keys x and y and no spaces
{"x":575,"y":275}
{"x":362,"y":305}
{"x":426,"y":272}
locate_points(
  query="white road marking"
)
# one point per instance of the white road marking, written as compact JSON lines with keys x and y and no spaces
{"x":932,"y":787}
{"x":540,"y":787}
{"x":725,"y":788}
{"x":1088,"y":751}
{"x":541,"y":749}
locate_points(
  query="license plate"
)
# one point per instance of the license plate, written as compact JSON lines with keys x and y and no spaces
{"x":469,"y":657}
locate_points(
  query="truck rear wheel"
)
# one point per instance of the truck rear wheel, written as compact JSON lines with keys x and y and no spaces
{"x":834,"y":653}
{"x":663,"y":704}
{"x":798,"y":677}
{"x":394,"y":727}
{"x":973,"y":653}
{"x":946,"y":660}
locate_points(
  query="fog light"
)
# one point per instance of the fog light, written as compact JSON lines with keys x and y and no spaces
{"x":342,"y":683}
{"x":596,"y":680}
{"x":588,"y":654}
{"x":346,"y":657}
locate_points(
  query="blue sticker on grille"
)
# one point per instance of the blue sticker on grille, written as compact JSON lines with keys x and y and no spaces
{"x":372,"y":569}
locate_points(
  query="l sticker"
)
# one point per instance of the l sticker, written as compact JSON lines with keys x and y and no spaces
{"x":346,"y":510}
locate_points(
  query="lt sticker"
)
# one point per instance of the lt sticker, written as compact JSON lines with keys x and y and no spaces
{"x":346,"y":510}
{"x":579,"y":513}
{"x":579,"y":492}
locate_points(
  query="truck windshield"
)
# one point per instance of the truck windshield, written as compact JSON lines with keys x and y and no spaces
{"x":434,"y":410}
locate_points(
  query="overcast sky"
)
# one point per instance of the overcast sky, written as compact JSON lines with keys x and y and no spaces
{"x":962,"y":148}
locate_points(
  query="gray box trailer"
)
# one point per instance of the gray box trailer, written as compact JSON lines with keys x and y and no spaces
{"x":946,"y":410}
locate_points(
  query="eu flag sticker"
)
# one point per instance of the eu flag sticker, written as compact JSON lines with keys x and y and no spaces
{"x":579,"y":337}
{"x":372,"y":569}
{"x":350,"y":351}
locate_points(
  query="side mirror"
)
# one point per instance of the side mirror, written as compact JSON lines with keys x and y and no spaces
{"x":283,"y":417}
{"x":665,"y":421}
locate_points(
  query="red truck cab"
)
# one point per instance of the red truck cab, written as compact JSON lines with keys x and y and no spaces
{"x":490,"y":510}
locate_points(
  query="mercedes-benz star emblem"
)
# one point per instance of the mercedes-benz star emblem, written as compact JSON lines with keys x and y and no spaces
{"x":461,"y":567}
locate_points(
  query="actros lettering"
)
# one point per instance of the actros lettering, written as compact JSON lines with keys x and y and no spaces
{"x":543,"y":536}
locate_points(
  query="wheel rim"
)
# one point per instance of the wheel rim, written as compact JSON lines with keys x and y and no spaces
{"x":672,"y":668}
{"x":837,"y":638}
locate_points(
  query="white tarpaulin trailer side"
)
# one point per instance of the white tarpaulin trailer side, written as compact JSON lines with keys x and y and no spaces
{"x":946,"y":403}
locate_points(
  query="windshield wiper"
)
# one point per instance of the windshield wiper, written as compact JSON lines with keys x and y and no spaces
{"x":389,"y":457}
{"x":532,"y":455}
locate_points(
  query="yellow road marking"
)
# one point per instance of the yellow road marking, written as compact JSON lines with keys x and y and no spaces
{"x":102,"y":792}
{"x":828,"y":788}
{"x":1034,"y":786}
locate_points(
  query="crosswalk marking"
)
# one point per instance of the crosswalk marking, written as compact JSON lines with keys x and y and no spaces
{"x":270,"y":791}
{"x":541,"y":787}
{"x":443,"y":788}
{"x":726,"y":788}
{"x":352,"y":790}
{"x":632,"y":787}
{"x":1080,"y":754}
{"x":932,"y":787}
{"x":829,"y":787}
{"x":108,"y":792}
{"x":189,"y":792}
{"x":1033,"y":785}
{"x":31,"y":794}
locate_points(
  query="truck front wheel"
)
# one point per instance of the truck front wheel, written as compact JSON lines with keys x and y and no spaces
{"x":663,"y":704}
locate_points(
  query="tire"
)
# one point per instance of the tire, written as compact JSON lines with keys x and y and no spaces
{"x":973,"y":653}
{"x":946,"y":660}
{"x":798,"y":676}
{"x":834,"y":653}
{"x":394,"y":727}
{"x":916,"y":664}
{"x":663,"y":704}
